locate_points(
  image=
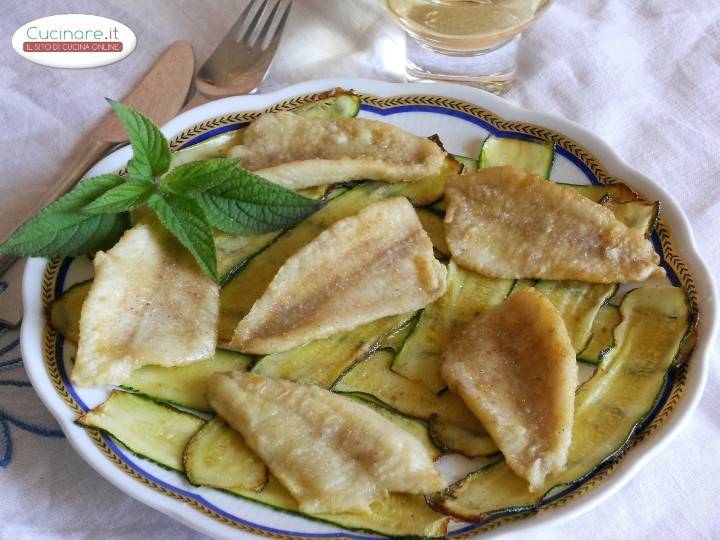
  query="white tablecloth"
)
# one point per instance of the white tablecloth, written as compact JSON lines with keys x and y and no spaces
{"x":643,"y":75}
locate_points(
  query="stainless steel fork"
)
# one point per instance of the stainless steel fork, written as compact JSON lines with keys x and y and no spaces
{"x":241,"y":60}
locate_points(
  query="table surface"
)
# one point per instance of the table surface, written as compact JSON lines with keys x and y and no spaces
{"x":643,"y":75}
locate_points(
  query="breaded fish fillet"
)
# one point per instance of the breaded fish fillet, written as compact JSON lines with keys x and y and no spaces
{"x":149,"y":304}
{"x":504,"y":223}
{"x":333,"y":454}
{"x":515,"y":368}
{"x":298,"y":152}
{"x":376,"y":263}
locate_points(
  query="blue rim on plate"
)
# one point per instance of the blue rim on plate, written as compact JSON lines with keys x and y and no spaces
{"x":55,"y":273}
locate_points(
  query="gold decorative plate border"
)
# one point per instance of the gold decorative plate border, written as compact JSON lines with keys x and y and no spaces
{"x":560,"y":140}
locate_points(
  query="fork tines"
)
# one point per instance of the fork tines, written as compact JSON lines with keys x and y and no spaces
{"x":261,"y":22}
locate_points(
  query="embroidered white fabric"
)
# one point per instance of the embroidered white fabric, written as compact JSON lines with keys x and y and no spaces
{"x":643,"y":75}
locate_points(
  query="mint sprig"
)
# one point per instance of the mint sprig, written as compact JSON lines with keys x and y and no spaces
{"x":237,"y":201}
{"x":151,"y":153}
{"x":189,"y":201}
{"x":62,"y":228}
{"x":121,"y":198}
{"x":183,"y":217}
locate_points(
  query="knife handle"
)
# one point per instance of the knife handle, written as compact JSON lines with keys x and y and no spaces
{"x":87,"y":157}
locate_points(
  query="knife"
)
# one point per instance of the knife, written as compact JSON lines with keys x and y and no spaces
{"x":159,"y":95}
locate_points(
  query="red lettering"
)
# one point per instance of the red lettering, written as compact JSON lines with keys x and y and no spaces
{"x":72,"y":46}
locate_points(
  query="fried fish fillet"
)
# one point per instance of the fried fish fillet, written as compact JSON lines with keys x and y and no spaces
{"x":149,"y":304}
{"x":298,"y":152}
{"x":376,"y":263}
{"x":504,"y":223}
{"x":332,"y":453}
{"x":514,"y":366}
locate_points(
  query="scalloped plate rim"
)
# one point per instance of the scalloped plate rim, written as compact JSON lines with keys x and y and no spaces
{"x":33,"y":321}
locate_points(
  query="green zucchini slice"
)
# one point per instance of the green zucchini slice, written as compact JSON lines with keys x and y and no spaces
{"x":148,"y":429}
{"x":374,"y":380}
{"x":533,"y":157}
{"x":65,"y":311}
{"x":338,"y":103}
{"x":638,"y":215}
{"x":374,"y":377}
{"x":432,"y":222}
{"x":467,"y":295}
{"x":617,"y":192}
{"x":608,"y":408}
{"x":469,"y":164}
{"x":601,"y":342}
{"x":217,"y":456}
{"x":451,"y":438}
{"x":185,"y":385}
{"x":395,"y":339}
{"x":398,"y":515}
{"x":238,"y":296}
{"x":214,"y":147}
{"x":234,"y":250}
{"x":578,"y":304}
{"x":322,"y":361}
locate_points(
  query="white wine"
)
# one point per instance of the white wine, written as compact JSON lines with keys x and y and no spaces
{"x":467,"y":41}
{"x":465,"y":26}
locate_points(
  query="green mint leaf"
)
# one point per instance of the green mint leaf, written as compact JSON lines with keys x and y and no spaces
{"x":122,"y":198}
{"x":85,"y":192}
{"x":108,"y":230}
{"x":184,"y":218}
{"x":198,"y":175}
{"x":151,"y":153}
{"x":61,"y":230}
{"x":67,"y":234}
{"x":247,"y":204}
{"x":237,"y":201}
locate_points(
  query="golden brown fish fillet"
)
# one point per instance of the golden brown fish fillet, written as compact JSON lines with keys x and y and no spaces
{"x":332,"y":453}
{"x":298,"y":152}
{"x":504,"y":223}
{"x":149,"y":304}
{"x":376,"y":263}
{"x":515,"y":368}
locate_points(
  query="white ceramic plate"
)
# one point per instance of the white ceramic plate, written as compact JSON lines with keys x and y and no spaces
{"x":462,"y":117}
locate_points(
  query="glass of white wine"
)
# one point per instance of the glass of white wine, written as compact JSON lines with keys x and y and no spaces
{"x":468,"y":41}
